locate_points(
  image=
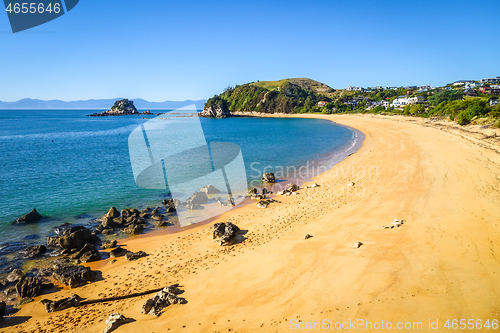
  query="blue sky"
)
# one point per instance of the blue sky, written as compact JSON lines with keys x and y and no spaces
{"x":177,"y":50}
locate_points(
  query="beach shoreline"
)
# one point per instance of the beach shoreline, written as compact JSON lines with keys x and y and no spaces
{"x":274,"y":276}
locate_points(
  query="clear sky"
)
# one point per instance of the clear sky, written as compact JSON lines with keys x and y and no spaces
{"x":175,"y":50}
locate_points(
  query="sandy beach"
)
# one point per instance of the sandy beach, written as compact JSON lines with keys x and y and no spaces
{"x":442,"y":263}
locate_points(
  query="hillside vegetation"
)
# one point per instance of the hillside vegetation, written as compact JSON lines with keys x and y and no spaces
{"x":284,"y":96}
{"x":301,"y":95}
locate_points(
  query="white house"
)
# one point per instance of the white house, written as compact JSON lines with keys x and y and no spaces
{"x":351,"y":88}
{"x":491,"y":81}
{"x":493,"y":101}
{"x":404,"y":100}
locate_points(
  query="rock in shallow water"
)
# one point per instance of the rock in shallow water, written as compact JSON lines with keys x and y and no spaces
{"x":33,"y":251}
{"x":268,"y":177}
{"x":31,"y":217}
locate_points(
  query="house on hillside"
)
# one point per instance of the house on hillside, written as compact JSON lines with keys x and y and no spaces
{"x":322,"y":103}
{"x":405,"y":100}
{"x":491,"y":80}
{"x":471,"y":85}
{"x":490,"y":91}
{"x":424,"y":88}
{"x":351,"y":88}
{"x":493,"y":101}
{"x":470,"y":92}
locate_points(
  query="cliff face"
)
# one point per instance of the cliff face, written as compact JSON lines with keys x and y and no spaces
{"x":215,"y":111}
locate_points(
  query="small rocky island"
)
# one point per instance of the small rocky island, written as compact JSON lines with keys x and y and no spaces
{"x":120,"y":108}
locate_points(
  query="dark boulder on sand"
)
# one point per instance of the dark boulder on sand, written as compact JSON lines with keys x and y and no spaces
{"x":134,"y":256}
{"x":226,"y":231}
{"x":74,"y":276}
{"x":65,"y":303}
{"x":31,"y":217}
{"x":117,"y":252}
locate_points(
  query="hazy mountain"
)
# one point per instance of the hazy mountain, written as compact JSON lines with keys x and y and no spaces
{"x":94,"y":104}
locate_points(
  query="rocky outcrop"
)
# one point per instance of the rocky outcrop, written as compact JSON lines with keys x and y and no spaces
{"x":31,"y":217}
{"x":33,"y":251}
{"x":29,"y":287}
{"x":114,"y":321}
{"x":268,"y":177}
{"x":74,"y":276}
{"x":65,"y":303}
{"x":162,"y":299}
{"x":215,"y":111}
{"x":120,"y":108}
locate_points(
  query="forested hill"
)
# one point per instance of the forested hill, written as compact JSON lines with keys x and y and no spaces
{"x":285,"y":96}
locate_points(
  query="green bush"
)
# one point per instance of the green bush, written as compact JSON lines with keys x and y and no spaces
{"x":464,"y":117}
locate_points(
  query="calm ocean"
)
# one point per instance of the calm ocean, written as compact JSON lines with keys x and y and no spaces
{"x":72,"y":168}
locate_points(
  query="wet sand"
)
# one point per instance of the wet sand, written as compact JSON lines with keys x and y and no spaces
{"x":442,"y":263}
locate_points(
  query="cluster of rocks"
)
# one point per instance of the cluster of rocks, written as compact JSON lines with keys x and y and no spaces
{"x":290,"y":190}
{"x":153,"y":306}
{"x":130,"y":220}
{"x":77,"y":241}
{"x":227,"y":232}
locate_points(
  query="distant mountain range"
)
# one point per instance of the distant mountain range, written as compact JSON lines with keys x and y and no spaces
{"x":95,"y":104}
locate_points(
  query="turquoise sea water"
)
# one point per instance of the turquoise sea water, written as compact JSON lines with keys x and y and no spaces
{"x":72,"y":168}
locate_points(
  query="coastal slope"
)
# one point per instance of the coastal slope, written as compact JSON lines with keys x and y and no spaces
{"x":442,"y":263}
